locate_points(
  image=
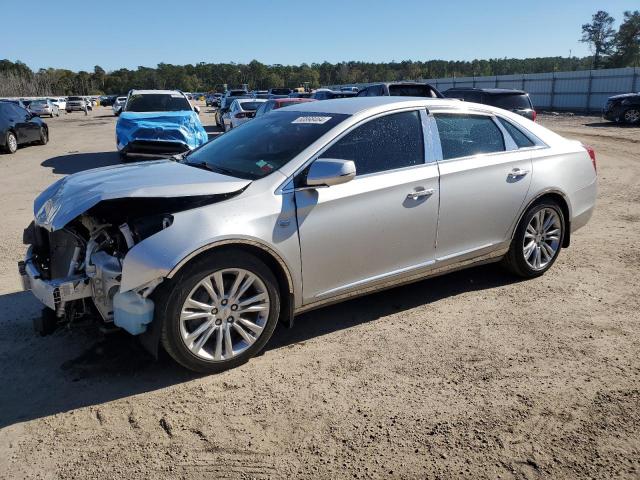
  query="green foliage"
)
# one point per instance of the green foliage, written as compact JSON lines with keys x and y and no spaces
{"x":627,"y":41}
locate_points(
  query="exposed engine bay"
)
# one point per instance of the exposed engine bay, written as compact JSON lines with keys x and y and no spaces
{"x":83,"y":261}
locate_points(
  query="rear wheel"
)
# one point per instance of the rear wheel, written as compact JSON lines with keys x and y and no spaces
{"x":44,"y":136}
{"x":219,"y":312}
{"x":537,"y":240}
{"x":632,"y":116}
{"x":11,"y":143}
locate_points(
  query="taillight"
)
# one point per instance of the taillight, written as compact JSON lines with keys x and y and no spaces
{"x":535,"y":115}
{"x":241,"y":115}
{"x":592,"y":155}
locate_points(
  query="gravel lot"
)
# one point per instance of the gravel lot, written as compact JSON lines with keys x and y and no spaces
{"x":470,"y":375}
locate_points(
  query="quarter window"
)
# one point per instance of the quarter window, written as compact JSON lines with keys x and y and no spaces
{"x":522,"y":141}
{"x":385,"y":143}
{"x":467,"y":135}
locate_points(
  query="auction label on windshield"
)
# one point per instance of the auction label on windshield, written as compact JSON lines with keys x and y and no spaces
{"x":312,"y":119}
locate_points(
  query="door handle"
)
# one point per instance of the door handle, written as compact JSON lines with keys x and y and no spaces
{"x":518,"y":172}
{"x":416,"y":194}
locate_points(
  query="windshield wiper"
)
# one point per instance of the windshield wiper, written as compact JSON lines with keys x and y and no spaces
{"x":212,"y":168}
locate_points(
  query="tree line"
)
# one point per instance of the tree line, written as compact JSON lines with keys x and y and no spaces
{"x":610,"y":48}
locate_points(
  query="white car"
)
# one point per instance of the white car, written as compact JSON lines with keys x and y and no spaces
{"x":118,"y":105}
{"x":60,"y":102}
{"x":241,"y":111}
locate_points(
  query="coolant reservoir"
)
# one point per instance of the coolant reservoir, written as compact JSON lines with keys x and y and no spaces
{"x":132,"y":312}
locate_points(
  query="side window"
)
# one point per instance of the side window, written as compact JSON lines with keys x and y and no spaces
{"x":385,"y":143}
{"x":466,"y":135}
{"x":522,"y":141}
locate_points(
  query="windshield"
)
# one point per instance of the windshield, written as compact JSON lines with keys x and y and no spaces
{"x":75,"y":98}
{"x":250,"y":105}
{"x":39,"y":102}
{"x":509,"y":101}
{"x":158,"y":102}
{"x":265,"y":144}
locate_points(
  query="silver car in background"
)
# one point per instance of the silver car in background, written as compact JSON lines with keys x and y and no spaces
{"x":309,"y":205}
{"x":44,"y":107}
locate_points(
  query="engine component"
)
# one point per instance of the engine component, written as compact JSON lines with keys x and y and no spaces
{"x":105,"y":277}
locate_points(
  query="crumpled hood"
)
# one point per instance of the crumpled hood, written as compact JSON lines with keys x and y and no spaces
{"x":73,"y":195}
{"x":183,"y":126}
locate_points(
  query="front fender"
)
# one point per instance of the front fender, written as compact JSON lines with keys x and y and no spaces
{"x":270,"y":227}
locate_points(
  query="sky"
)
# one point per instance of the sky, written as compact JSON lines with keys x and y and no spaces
{"x":78,"y":34}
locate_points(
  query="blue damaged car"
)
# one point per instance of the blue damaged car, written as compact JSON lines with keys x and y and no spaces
{"x":158,"y":123}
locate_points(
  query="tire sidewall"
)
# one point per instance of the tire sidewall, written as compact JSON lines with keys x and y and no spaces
{"x":175,"y":291}
{"x":518,"y":239}
{"x":629,"y":122}
{"x":11,"y":134}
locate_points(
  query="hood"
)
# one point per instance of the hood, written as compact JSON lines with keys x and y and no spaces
{"x":183,"y":126}
{"x":624,"y":95}
{"x":73,"y":195}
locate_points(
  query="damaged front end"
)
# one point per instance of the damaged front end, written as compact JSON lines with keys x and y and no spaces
{"x":76,"y":272}
{"x":85,"y":224}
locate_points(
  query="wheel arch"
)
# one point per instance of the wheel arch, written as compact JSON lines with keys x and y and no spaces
{"x":270,"y":257}
{"x":150,"y":339}
{"x":561,"y":199}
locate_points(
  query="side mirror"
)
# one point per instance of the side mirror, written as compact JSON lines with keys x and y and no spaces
{"x":325,"y":172}
{"x":196,"y":109}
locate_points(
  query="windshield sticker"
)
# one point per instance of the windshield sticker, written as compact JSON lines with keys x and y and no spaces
{"x":313,"y":120}
{"x":264,"y":166}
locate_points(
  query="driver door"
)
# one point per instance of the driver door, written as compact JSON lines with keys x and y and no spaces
{"x":379,"y":226}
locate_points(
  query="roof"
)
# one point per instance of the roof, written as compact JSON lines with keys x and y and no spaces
{"x":157,"y":92}
{"x":353,"y":105}
{"x":492,"y":91}
{"x":292,"y":100}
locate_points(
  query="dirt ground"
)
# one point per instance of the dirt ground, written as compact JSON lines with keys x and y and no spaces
{"x":470,"y":375}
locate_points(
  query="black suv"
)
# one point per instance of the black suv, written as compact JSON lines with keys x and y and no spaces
{"x":516,"y":101}
{"x":19,"y":126}
{"x":623,"y":108}
{"x":400,"y":89}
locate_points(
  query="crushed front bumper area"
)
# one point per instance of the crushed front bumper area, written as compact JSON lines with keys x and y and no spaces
{"x":52,"y":293}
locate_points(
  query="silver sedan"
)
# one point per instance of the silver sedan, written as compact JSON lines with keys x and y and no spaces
{"x":312,"y":204}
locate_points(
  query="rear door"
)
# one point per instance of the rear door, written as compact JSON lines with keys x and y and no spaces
{"x":483,"y":183}
{"x":382,"y":224}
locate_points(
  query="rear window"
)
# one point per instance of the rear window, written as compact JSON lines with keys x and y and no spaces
{"x":250,"y":105}
{"x":509,"y":101}
{"x":280,"y":91}
{"x":522,"y":141}
{"x":411,"y":91}
{"x":158,"y":102}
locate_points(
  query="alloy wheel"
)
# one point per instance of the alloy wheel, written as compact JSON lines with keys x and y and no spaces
{"x":542,"y":238}
{"x":224,"y":314}
{"x":12,"y":142}
{"x":632,"y":116}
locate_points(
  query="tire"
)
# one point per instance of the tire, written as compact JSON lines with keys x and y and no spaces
{"x":11,"y":143}
{"x":44,"y":136}
{"x":631,"y":116}
{"x":170,"y":300}
{"x":122,"y":156}
{"x":533,"y":251}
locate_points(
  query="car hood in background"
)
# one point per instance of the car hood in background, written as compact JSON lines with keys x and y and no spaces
{"x":183,"y":127}
{"x":73,"y":195}
{"x":624,"y":95}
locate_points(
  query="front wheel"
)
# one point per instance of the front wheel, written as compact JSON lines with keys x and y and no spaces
{"x":219,"y":312}
{"x":537,"y":240}
{"x":632,"y":116}
{"x":44,"y":136}
{"x":11,"y":143}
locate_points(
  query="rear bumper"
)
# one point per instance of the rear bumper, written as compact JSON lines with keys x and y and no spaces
{"x":583,"y":203}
